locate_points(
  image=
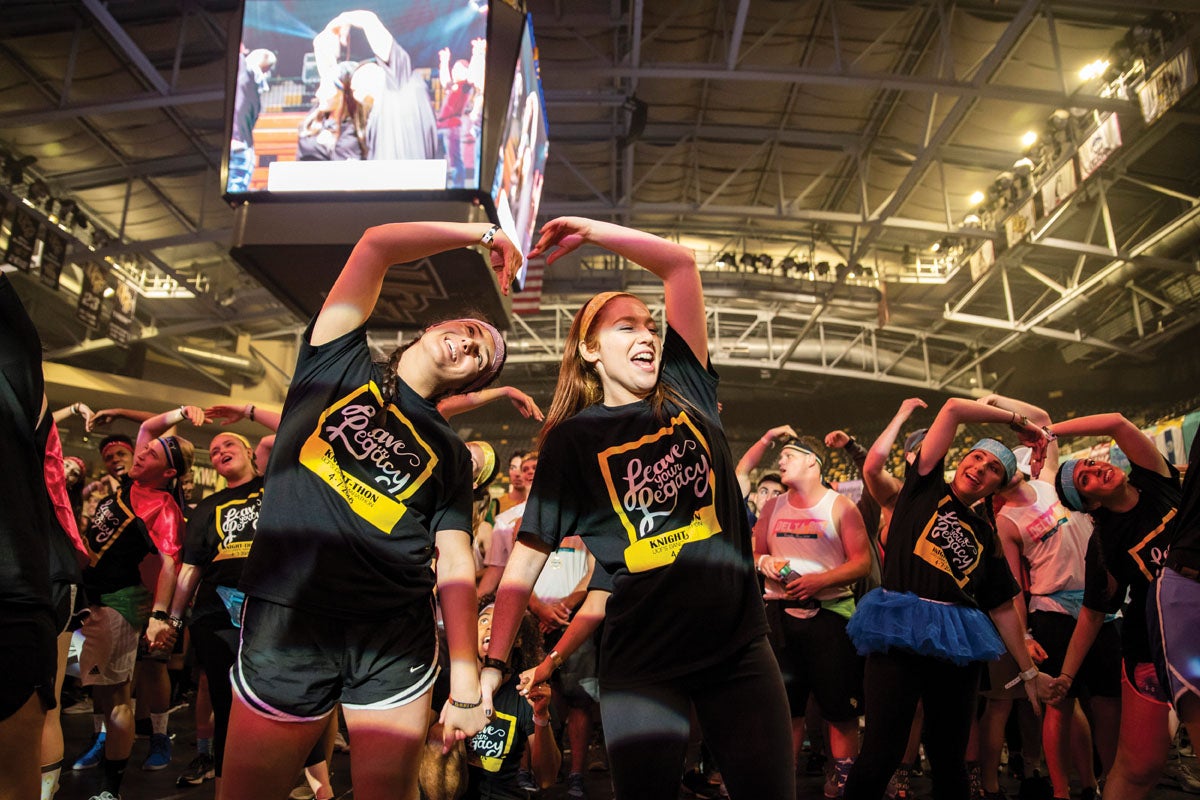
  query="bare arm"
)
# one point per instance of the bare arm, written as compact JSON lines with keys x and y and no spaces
{"x":1139,"y":448}
{"x":958,"y":411}
{"x":853,"y":533}
{"x":1039,"y":417}
{"x":185,"y":587}
{"x":755,"y":452}
{"x":356,"y":290}
{"x":544,"y":756}
{"x":882,"y":485}
{"x":1010,"y":542}
{"x":458,"y":403}
{"x":673,"y":263}
{"x":74,"y":409}
{"x":229,"y":414}
{"x":585,"y":623}
{"x":456,"y":592}
{"x":1011,"y":631}
{"x":521,"y":573}
{"x":157,"y":425}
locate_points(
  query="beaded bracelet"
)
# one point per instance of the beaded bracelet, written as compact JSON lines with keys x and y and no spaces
{"x":461,"y":704}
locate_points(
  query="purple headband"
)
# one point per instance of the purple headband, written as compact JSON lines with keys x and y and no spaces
{"x":499,"y":353}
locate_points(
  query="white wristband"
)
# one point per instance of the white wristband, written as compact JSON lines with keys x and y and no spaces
{"x":541,"y":722}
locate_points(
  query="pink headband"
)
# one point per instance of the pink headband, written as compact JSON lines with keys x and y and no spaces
{"x":499,"y":353}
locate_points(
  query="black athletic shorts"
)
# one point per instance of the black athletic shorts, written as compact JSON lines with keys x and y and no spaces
{"x":816,"y":655}
{"x":28,"y":656}
{"x":295,"y":665}
{"x":1100,"y":673}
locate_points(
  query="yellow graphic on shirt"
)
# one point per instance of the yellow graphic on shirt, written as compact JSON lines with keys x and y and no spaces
{"x":374,"y":463}
{"x":236,"y":522}
{"x":949,"y":544}
{"x":489,"y":747}
{"x":1148,"y":559}
{"x":109,"y":521}
{"x":661,"y":487}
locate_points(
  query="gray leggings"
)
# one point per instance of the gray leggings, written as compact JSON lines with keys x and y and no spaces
{"x":743,"y":712}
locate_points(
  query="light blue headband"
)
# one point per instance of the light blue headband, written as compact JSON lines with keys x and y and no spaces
{"x":1066,"y":485}
{"x":1002,"y":453}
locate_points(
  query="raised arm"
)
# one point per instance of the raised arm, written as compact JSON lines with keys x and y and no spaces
{"x":356,"y":291}
{"x":958,"y":411}
{"x":229,"y":414}
{"x":75,"y":409}
{"x":754,"y":454}
{"x":378,"y":37}
{"x":882,"y":485}
{"x":1039,"y":417}
{"x":512,"y":597}
{"x":1138,"y":447}
{"x":158,"y":424}
{"x":673,"y":263}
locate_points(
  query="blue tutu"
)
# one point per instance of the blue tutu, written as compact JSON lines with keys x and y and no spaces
{"x":958,"y":634}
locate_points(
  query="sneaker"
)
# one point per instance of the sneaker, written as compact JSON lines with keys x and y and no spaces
{"x":525,"y":782}
{"x":91,"y":757}
{"x":106,"y":796}
{"x":302,"y":792}
{"x":697,"y":785}
{"x":1181,"y":773}
{"x":202,"y":769}
{"x":160,"y":753}
{"x":898,"y":787}
{"x":575,"y":785}
{"x":835,"y":782}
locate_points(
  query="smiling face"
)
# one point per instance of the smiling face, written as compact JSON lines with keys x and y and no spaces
{"x":978,"y":475}
{"x":231,"y":459}
{"x":625,"y":349}
{"x":1098,"y":480}
{"x":455,"y":353}
{"x":117,"y":459}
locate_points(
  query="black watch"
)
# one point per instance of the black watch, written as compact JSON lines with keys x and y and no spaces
{"x":162,"y":616}
{"x":495,"y":663}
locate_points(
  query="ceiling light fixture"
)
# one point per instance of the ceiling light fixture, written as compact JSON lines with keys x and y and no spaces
{"x":1029,"y":139}
{"x":976,"y":198}
{"x":1094,"y":69}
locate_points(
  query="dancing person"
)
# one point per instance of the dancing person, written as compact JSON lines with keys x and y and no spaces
{"x":220,"y":535}
{"x":253,"y":69}
{"x":400,"y":121}
{"x":27,"y":619}
{"x":366,"y":480}
{"x":811,"y":546}
{"x":634,"y":460}
{"x":1126,"y":552}
{"x":925,"y":631}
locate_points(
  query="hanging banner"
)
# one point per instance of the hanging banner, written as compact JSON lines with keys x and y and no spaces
{"x":121,"y":323}
{"x":54,"y":255}
{"x":91,"y":293}
{"x":23,"y":238}
{"x":1168,"y":83}
{"x":1099,"y":146}
{"x":1020,"y":224}
{"x":1059,"y":187}
{"x":982,"y":259}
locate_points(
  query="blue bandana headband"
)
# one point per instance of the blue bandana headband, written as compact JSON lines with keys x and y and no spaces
{"x":1066,"y":485}
{"x":1002,"y":453}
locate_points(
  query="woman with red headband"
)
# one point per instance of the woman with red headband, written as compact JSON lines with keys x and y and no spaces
{"x":633,"y":458}
{"x":367,"y":480}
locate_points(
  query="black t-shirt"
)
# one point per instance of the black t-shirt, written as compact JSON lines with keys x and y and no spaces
{"x":117,"y":542}
{"x":1184,"y":557}
{"x":657,"y":502}
{"x":494,"y":754}
{"x":1126,"y":551}
{"x":219,"y":534}
{"x":24,"y":504}
{"x":940,"y":549}
{"x":355,"y":491}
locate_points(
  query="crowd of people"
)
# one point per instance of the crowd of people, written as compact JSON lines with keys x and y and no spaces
{"x":634,"y":585}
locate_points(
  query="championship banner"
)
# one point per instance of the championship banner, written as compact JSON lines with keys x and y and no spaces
{"x":91,"y":293}
{"x":23,"y":239}
{"x":121,"y":323}
{"x":1168,"y":83}
{"x":1099,"y":146}
{"x":982,"y":259}
{"x":54,"y":255}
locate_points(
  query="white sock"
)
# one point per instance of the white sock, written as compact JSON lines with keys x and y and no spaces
{"x":97,"y":723}
{"x":50,"y":781}
{"x":158,"y":722}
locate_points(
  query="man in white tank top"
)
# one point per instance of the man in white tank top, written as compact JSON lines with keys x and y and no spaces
{"x":811,"y":545}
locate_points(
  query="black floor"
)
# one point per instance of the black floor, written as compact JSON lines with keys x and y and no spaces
{"x":160,"y":785}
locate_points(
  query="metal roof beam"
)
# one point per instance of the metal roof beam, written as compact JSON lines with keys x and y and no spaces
{"x":141,"y":102}
{"x":123,"y":40}
{"x":106,"y":176}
